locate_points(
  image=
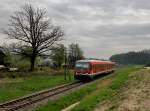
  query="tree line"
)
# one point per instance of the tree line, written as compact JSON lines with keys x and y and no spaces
{"x":139,"y":57}
{"x":62,"y":55}
{"x":59,"y":56}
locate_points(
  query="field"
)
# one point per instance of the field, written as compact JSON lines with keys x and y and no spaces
{"x":125,"y":90}
{"x":11,"y":88}
{"x":89,"y":97}
{"x":134,"y":96}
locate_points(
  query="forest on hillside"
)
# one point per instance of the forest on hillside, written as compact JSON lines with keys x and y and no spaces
{"x":139,"y":57}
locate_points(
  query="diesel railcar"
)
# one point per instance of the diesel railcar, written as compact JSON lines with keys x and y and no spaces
{"x":92,"y":68}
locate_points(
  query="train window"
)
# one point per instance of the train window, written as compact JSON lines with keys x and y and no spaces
{"x":82,"y":66}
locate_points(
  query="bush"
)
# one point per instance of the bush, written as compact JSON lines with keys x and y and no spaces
{"x":23,"y":65}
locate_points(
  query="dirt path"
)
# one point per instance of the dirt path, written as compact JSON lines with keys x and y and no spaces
{"x":135,"y":96}
{"x":69,"y":108}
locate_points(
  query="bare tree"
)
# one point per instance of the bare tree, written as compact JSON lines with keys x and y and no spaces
{"x":75,"y":53}
{"x":32,"y":27}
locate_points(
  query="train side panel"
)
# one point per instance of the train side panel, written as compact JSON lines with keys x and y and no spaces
{"x":100,"y":68}
{"x":95,"y":68}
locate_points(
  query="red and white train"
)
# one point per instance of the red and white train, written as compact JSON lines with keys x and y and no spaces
{"x":92,"y":68}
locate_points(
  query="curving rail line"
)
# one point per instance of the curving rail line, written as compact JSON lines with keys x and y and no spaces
{"x":36,"y":97}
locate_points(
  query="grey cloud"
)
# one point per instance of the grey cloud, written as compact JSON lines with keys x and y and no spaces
{"x":101,"y":27}
{"x":132,"y":30}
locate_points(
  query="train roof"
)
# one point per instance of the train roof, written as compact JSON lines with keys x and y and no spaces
{"x":96,"y":61}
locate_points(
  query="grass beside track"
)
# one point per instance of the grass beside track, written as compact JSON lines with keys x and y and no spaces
{"x":13,"y":88}
{"x":92,"y":94}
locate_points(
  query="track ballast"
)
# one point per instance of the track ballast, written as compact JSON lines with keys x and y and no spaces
{"x":21,"y":103}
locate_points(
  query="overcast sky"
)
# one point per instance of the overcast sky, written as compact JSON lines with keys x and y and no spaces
{"x":101,"y":27}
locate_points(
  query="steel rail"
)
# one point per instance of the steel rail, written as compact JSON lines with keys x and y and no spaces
{"x":36,"y":97}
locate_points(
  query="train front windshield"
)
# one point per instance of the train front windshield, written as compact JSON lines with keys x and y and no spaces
{"x":82,"y":66}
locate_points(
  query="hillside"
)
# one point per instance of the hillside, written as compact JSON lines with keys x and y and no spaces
{"x":134,"y":96}
{"x":140,"y":57}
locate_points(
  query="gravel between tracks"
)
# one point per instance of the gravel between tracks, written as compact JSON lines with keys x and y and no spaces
{"x":22,"y":103}
{"x":33,"y":106}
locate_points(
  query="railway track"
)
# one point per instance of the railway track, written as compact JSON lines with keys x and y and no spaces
{"x":21,"y":103}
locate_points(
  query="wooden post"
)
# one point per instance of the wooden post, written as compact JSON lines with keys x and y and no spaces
{"x":65,"y":67}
